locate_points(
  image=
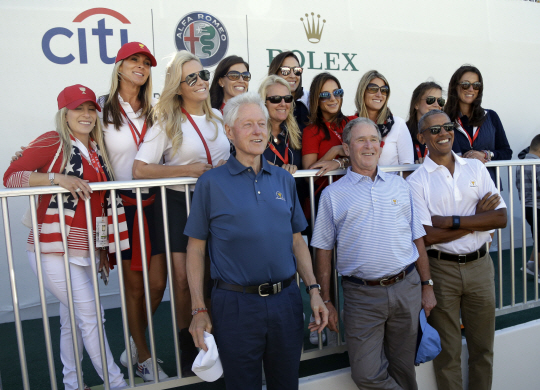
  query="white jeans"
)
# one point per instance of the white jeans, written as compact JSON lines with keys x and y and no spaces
{"x":54,"y":278}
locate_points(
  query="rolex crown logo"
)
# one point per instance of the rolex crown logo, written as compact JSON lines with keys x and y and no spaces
{"x":313,"y":33}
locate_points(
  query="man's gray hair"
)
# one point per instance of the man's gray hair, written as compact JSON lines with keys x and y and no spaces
{"x":230,"y":111}
{"x":358,"y":121}
{"x":427,"y":115}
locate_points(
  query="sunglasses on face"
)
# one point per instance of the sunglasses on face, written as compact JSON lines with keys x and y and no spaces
{"x":374,"y":88}
{"x":277,"y":99}
{"x":448,"y":127}
{"x":191,"y":79}
{"x":338,"y":93}
{"x":431,"y":99}
{"x":467,"y":84}
{"x":286,"y":70}
{"x":234,"y":75}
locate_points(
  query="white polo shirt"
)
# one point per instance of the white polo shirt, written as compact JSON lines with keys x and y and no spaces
{"x":398,"y":146}
{"x":437,"y":192}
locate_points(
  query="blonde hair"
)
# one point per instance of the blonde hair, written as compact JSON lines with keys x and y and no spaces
{"x":168,"y":111}
{"x":359,"y":102}
{"x":290,"y":122}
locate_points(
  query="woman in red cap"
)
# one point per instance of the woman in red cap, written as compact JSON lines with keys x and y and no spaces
{"x":70,"y":157}
{"x":126,"y":118}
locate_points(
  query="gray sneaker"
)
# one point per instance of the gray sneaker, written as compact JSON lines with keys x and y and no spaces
{"x":146,"y":370}
{"x":134,"y":354}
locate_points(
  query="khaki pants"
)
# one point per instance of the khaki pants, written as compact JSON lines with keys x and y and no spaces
{"x":471,"y":288}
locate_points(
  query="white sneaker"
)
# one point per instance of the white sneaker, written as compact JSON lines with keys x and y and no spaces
{"x":332,"y":338}
{"x":314,"y":336}
{"x":146,"y":370}
{"x":134,"y":354}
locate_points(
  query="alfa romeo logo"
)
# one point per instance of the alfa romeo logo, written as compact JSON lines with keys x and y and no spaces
{"x":203,"y":35}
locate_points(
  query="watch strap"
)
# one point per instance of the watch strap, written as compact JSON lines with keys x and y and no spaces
{"x":311,"y":287}
{"x":456,"y":221}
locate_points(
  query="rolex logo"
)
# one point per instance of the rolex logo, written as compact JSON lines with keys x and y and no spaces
{"x":313,"y":33}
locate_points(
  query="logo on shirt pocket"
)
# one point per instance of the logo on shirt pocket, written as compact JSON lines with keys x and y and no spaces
{"x":473,"y":183}
{"x":279,"y":195}
{"x":395,"y":202}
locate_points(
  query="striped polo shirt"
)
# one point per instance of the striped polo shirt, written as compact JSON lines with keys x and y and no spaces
{"x":372,"y":223}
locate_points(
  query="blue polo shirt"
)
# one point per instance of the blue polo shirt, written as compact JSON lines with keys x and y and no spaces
{"x":248,"y":221}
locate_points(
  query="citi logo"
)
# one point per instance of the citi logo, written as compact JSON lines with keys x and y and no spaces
{"x":59,"y":34}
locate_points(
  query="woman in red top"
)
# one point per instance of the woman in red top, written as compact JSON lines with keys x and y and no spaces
{"x":70,"y":157}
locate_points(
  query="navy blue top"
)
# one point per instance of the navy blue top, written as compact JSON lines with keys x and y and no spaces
{"x":295,"y":155}
{"x":248,"y":220}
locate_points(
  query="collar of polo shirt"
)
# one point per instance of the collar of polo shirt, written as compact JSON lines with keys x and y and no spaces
{"x":359,"y":177}
{"x":235,"y":167}
{"x":431,"y":166}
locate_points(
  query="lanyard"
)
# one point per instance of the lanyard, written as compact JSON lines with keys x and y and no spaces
{"x":419,"y":154}
{"x":471,"y":141}
{"x":222,"y":107}
{"x":273,"y":149}
{"x":336,"y":133}
{"x":137,"y":137}
{"x":208,"y":157}
{"x":94,"y":162}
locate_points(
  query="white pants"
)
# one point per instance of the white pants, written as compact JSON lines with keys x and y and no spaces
{"x":54,"y":278}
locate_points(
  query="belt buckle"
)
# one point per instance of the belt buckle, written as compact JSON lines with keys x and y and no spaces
{"x":382,"y":281}
{"x":462,"y":259}
{"x":262,"y":285}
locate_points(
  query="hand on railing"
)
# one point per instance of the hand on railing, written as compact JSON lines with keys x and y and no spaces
{"x":477,"y":155}
{"x":220,"y":163}
{"x":290,"y":168}
{"x":197,"y":169}
{"x":74,"y":185}
{"x":487,"y":203}
{"x":326,"y":166}
{"x":200,"y":323}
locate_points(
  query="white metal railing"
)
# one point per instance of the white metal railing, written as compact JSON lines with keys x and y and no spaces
{"x":5,"y":194}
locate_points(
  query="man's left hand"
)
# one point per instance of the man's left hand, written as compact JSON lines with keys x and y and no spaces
{"x":320,"y":313}
{"x":428,"y":299}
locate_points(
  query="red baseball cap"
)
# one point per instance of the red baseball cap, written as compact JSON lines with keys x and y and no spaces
{"x":75,"y":95}
{"x":131,"y":48}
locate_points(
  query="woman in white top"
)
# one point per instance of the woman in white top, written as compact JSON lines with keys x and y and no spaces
{"x":125,"y":118}
{"x":372,"y":102}
{"x":188,"y":134}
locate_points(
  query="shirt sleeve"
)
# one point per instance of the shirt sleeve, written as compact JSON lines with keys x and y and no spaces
{"x":298,"y":219}
{"x":155,"y":144}
{"x":198,"y":222}
{"x":324,"y":234}
{"x":420,"y":207}
{"x":404,"y":144}
{"x":310,"y":141}
{"x":487,"y":184}
{"x":417,"y":227}
{"x":502,"y":147}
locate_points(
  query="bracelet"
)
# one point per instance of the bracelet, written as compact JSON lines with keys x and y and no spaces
{"x":326,"y":301}
{"x":345,"y":161}
{"x":199,"y":310}
{"x":337,"y":160}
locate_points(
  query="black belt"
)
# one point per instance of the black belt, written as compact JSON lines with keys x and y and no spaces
{"x":263,"y":290}
{"x":381,"y":282}
{"x":461,"y":259}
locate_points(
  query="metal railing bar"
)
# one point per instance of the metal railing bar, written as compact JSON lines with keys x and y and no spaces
{"x":512,"y":260}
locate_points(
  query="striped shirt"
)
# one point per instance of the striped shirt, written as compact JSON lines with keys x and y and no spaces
{"x":372,"y":222}
{"x":528,"y":180}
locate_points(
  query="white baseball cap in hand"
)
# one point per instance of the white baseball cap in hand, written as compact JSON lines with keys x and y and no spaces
{"x":207,"y":365}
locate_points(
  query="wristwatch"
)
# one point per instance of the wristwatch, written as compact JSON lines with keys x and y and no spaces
{"x":456,"y":221}
{"x":427,"y":283}
{"x":308,"y":288}
{"x":51,"y":178}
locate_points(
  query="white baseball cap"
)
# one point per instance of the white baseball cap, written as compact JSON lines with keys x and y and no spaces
{"x":207,"y":365}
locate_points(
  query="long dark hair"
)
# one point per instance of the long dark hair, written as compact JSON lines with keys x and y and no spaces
{"x":412,"y":122}
{"x":216,"y":91}
{"x":277,"y":62}
{"x":315,"y":113}
{"x":452,"y":104}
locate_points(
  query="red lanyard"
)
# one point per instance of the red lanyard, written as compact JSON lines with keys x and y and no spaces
{"x":137,"y":137}
{"x":94,"y":162}
{"x":419,"y":154}
{"x":336,"y":133}
{"x":208,"y":157}
{"x":222,"y":107}
{"x":471,"y":141}
{"x":273,"y":149}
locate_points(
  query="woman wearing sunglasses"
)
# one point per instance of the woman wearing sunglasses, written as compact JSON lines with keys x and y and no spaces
{"x":479,"y":132}
{"x":188,"y":135}
{"x":426,"y":97}
{"x":231,"y":78}
{"x":372,"y":102}
{"x":287,"y":66}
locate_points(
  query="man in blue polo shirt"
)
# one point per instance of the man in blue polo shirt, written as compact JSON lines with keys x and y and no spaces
{"x":248,"y":212}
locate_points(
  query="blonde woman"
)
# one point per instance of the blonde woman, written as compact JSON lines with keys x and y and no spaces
{"x":284,"y":144}
{"x":188,"y":135}
{"x":371,"y":102}
{"x":70,"y":157}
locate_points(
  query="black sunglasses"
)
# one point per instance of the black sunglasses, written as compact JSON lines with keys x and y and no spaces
{"x":467,"y":84}
{"x":191,"y":79}
{"x":277,"y":99}
{"x":450,"y":126}
{"x":234,"y":75}
{"x":286,"y":70}
{"x":374,"y":88}
{"x":338,"y":93}
{"x":431,"y":99}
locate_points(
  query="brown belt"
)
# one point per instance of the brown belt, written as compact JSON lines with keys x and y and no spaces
{"x":381,"y":282}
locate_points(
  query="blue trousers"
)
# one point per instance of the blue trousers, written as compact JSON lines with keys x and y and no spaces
{"x":251,"y":330}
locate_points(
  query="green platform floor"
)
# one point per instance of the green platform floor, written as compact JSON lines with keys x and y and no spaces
{"x":10,"y":374}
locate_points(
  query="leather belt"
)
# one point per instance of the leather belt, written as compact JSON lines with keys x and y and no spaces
{"x":381,"y":282}
{"x":461,"y":259}
{"x":263,"y":290}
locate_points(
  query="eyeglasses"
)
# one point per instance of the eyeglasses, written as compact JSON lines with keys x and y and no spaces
{"x":467,"y":84}
{"x":431,"y":99}
{"x":286,"y":70}
{"x":277,"y":99}
{"x":450,"y":126}
{"x":338,"y":93}
{"x":191,"y":79}
{"x":374,"y":88}
{"x":234,"y":75}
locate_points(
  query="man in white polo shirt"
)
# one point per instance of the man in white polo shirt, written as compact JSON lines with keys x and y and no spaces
{"x":458,"y":205}
{"x":369,"y":214}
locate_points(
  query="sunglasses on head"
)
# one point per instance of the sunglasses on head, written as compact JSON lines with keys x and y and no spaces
{"x":431,"y":99}
{"x":234,"y":75}
{"x":450,"y":126}
{"x":277,"y":99}
{"x":374,"y":88}
{"x":467,"y":84}
{"x":286,"y":70}
{"x":191,"y":79}
{"x":338,"y":93}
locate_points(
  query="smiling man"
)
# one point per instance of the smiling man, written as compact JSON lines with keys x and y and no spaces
{"x":458,"y":204}
{"x":248,"y":212}
{"x":381,"y":255}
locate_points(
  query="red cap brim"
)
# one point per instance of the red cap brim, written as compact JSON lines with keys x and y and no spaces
{"x":73,"y":105}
